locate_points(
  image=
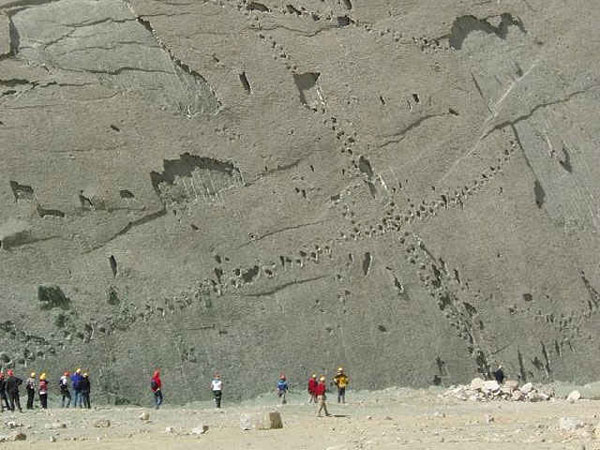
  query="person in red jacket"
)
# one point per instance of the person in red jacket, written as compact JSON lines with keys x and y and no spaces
{"x":320,"y":391}
{"x":156,"y":386}
{"x":312,"y":386}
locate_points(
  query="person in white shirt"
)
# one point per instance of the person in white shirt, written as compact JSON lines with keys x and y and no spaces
{"x":216,"y":387}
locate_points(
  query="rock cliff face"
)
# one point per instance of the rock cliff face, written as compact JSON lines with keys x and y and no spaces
{"x":408,"y":188}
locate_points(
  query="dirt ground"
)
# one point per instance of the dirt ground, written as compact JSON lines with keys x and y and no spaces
{"x":390,"y":419}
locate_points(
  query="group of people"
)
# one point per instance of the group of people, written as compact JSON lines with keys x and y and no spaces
{"x":317,"y":389}
{"x":10,"y":398}
{"x":216,"y":386}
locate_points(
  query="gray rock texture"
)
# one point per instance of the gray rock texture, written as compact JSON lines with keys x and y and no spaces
{"x":407,"y":188}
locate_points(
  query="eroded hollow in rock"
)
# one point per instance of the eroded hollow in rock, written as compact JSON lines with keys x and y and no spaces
{"x":192,"y":177}
{"x":53,"y":297}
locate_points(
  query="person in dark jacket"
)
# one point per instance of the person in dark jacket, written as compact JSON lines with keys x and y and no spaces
{"x":30,"y":389}
{"x":12,"y":389}
{"x":43,"y":391}
{"x":3,"y":398}
{"x":86,"y":388}
{"x":499,"y":375}
{"x":76,"y":385}
{"x":156,"y":387}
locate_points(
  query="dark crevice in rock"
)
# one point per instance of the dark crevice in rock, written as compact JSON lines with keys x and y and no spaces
{"x":364,"y":165}
{"x":347,"y":4}
{"x":399,"y":136}
{"x":249,"y":275}
{"x":125,"y":193}
{"x":285,"y":286}
{"x":464,"y":25}
{"x":43,"y":212}
{"x":113,"y":265}
{"x":566,"y":162}
{"x":245,"y":82}
{"x":21,"y":191}
{"x":256,"y":6}
{"x":292,"y":10}
{"x":539,"y":193}
{"x":367,"y":262}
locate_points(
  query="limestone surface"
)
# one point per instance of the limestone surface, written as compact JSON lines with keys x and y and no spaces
{"x":405,"y":188}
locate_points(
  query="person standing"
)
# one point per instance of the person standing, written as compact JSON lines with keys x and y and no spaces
{"x":30,"y":389}
{"x":3,"y":398}
{"x":64,"y":389}
{"x":43,"y":391}
{"x":499,"y":375}
{"x":312,"y":387}
{"x":341,"y":380}
{"x":216,"y":387}
{"x":76,"y":385}
{"x":86,"y":388}
{"x":282,"y":388}
{"x":156,"y":386}
{"x":12,"y":389}
{"x":320,"y":392}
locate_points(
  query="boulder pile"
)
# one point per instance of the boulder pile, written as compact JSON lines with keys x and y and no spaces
{"x":489,"y":390}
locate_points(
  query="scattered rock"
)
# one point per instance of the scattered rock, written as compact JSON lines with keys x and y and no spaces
{"x":272,"y":421}
{"x":477,"y":384}
{"x":574,"y":396}
{"x":144,"y":416}
{"x":488,"y":418}
{"x":526,"y":388}
{"x":52,"y":439}
{"x":169,"y":430}
{"x":201,"y":429}
{"x":511,"y":385}
{"x":12,"y":424}
{"x":491,"y":386}
{"x":55,"y":426}
{"x":570,"y":423}
{"x":102,"y":423}
{"x":18,"y":437}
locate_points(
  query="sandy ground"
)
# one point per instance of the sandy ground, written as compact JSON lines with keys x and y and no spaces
{"x":390,"y":419}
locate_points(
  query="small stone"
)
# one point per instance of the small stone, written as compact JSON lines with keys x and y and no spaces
{"x":491,"y":386}
{"x":52,"y":439}
{"x":144,"y":416}
{"x":526,"y":388}
{"x":518,"y":396}
{"x":102,"y":423}
{"x":272,"y":421}
{"x":488,"y":418}
{"x":574,"y":396}
{"x":570,"y":423}
{"x":511,"y":384}
{"x":18,"y":437}
{"x":201,"y":429}
{"x":55,"y":426}
{"x":169,"y":430}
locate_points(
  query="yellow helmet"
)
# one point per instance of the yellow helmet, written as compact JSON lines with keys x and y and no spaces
{"x":322,"y":378}
{"x":43,"y":376}
{"x":340,"y":369}
{"x":78,"y":371}
{"x":32,"y":375}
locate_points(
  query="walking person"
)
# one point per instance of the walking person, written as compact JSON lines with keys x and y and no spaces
{"x":312,"y":387}
{"x":341,"y":380}
{"x":30,"y":389}
{"x":320,"y":391}
{"x":76,"y":385}
{"x":3,"y":398}
{"x":12,"y":389}
{"x":64,"y":390}
{"x":43,"y":391}
{"x":282,"y":388}
{"x":156,"y":387}
{"x":86,"y":388}
{"x":216,"y":387}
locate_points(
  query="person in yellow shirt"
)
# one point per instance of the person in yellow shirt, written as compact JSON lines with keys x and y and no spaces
{"x":341,"y":380}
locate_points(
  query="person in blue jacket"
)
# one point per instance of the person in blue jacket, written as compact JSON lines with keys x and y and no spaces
{"x":76,"y":380}
{"x":282,"y":388}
